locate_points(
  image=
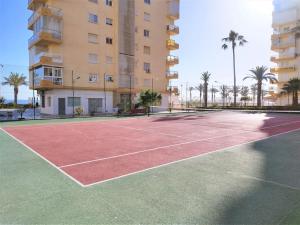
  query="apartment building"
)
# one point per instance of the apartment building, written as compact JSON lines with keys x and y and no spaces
{"x":100,"y":54}
{"x":286,"y":44}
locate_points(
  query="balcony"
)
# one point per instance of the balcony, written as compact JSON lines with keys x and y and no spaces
{"x":32,"y":4}
{"x":280,"y":58}
{"x":173,"y":90}
{"x":45,"y":37}
{"x":278,"y":44}
{"x":48,"y":83}
{"x":173,"y":9}
{"x":172,"y":45}
{"x":47,"y":59}
{"x":283,"y":69}
{"x":172,"y":60}
{"x":172,"y":75}
{"x":44,"y":11}
{"x":172,"y":29}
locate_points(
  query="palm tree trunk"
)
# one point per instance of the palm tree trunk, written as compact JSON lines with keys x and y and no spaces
{"x":234,"y":76}
{"x":259,"y":86}
{"x":16,"y":90}
{"x":205,"y":95}
{"x":200,"y":97}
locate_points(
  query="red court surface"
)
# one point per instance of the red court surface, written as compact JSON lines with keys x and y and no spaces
{"x":97,"y":151}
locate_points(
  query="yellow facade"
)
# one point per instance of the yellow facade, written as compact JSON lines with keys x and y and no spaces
{"x":116,"y":46}
{"x":286,"y":43}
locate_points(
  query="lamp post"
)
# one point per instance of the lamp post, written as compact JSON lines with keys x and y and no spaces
{"x":105,"y":79}
{"x":73,"y":92}
{"x":130,"y":94}
{"x":1,"y":66}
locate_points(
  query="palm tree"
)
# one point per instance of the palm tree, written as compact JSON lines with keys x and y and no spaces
{"x":147,"y":98}
{"x":245,"y":94}
{"x":253,"y":89}
{"x":286,"y":90}
{"x":293,"y":86}
{"x":259,"y":74}
{"x":224,"y":93}
{"x":190,"y":90}
{"x":234,"y":39}
{"x":200,"y":89}
{"x":205,"y":77}
{"x":15,"y":80}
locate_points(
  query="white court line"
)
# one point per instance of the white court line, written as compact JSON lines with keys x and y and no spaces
{"x":141,"y":171}
{"x":42,"y":157}
{"x":161,"y":147}
{"x":193,"y":157}
{"x":264,"y":180}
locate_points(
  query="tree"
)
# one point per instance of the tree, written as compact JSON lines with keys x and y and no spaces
{"x":253,"y":89}
{"x":15,"y":80}
{"x":200,"y":89}
{"x":234,"y":39}
{"x":2,"y":101}
{"x":205,"y":77}
{"x":190,"y":90}
{"x":213,"y":92}
{"x":245,"y":94}
{"x":147,"y":98}
{"x":286,"y":90}
{"x":293,"y":86}
{"x":224,"y":93}
{"x":259,"y":74}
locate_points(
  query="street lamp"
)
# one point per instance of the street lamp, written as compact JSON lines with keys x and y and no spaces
{"x":33,"y":94}
{"x":73,"y":91}
{"x":106,"y":79}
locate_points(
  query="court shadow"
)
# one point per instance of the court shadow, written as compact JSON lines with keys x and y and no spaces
{"x":177,"y":117}
{"x":265,"y":178}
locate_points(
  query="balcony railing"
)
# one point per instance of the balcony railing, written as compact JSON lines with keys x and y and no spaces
{"x":32,"y":3}
{"x":283,"y":57}
{"x":173,"y":89}
{"x":45,"y":58}
{"x":276,"y":44}
{"x":282,"y":69}
{"x":172,"y":75}
{"x":172,"y":60}
{"x":172,"y":29}
{"x":46,"y":11}
{"x":45,"y":36}
{"x":172,"y":45}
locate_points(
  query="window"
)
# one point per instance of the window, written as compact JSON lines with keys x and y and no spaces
{"x":147,"y":2}
{"x":108,"y":2}
{"x":109,"y":41}
{"x":76,"y":100}
{"x":146,"y":33}
{"x":93,"y":58}
{"x":109,"y":21}
{"x":147,"y":16}
{"x":108,"y":78}
{"x":93,"y":18}
{"x":49,"y":101}
{"x":93,"y":38}
{"x":147,"y":50}
{"x":93,"y":1}
{"x":147,"y":67}
{"x":93,"y":77}
{"x":109,"y":59}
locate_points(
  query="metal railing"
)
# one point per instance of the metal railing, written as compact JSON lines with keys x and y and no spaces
{"x":54,"y":33}
{"x":172,"y":74}
{"x":172,"y":59}
{"x":54,"y":11}
{"x":173,"y":28}
{"x":55,"y":58}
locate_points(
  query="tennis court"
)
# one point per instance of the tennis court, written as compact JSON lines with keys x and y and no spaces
{"x":93,"y":152}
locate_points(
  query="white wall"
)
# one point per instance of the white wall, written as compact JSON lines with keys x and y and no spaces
{"x":85,"y":95}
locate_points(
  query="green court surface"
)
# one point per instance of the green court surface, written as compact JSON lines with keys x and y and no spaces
{"x":255,"y":183}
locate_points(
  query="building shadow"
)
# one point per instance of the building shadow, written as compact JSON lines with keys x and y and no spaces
{"x":272,"y":189}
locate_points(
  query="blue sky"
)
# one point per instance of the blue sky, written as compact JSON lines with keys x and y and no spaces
{"x":203,"y":24}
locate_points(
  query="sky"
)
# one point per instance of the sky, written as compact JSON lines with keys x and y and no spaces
{"x":203,"y":24}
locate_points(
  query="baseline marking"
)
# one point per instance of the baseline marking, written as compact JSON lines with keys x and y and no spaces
{"x":42,"y":157}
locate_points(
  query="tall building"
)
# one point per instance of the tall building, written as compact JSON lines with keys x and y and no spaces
{"x":102,"y":52}
{"x":286,"y":43}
